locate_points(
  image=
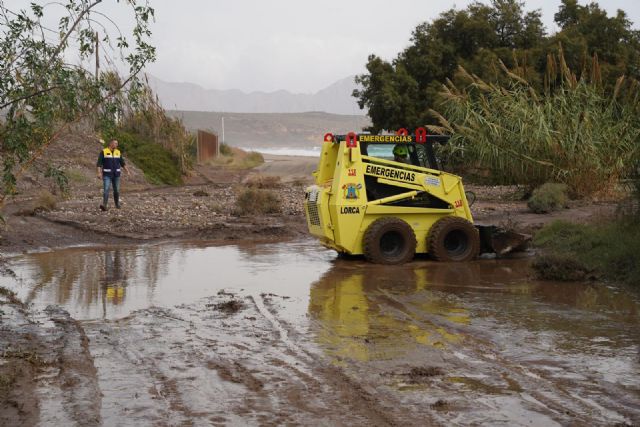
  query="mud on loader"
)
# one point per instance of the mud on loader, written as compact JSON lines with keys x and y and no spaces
{"x":366,"y":201}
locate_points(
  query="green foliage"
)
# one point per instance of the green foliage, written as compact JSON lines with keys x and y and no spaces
{"x":562,"y":267}
{"x":59,"y":178}
{"x":41,"y":93}
{"x":225,"y":150}
{"x":160,"y":166}
{"x":576,"y":135}
{"x":548,"y":197}
{"x":611,"y":250}
{"x":147,"y":119}
{"x":252,"y":159}
{"x":236,"y":158}
{"x":400,"y":93}
{"x":252,"y":201}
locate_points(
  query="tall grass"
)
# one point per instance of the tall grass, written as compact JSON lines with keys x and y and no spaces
{"x":573,"y":133}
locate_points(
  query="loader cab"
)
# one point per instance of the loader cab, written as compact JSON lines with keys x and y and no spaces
{"x":419,"y":154}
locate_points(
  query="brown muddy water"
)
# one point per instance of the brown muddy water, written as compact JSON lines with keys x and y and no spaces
{"x":199,"y":334}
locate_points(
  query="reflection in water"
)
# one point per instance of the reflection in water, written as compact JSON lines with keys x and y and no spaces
{"x":367,"y":312}
{"x":114,"y":282}
{"x":362,"y":317}
{"x":111,"y":282}
{"x":498,"y":343}
{"x":82,"y":279}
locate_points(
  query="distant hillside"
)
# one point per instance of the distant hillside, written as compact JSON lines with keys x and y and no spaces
{"x":335,"y":99}
{"x":272,"y":129}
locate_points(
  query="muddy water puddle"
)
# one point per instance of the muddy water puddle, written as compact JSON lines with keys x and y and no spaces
{"x":110,"y":283}
{"x":314,"y":338}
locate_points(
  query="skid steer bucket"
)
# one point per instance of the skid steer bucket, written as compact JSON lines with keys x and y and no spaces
{"x":494,"y":239}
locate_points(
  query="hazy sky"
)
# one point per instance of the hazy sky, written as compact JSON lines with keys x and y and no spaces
{"x":297,"y":45}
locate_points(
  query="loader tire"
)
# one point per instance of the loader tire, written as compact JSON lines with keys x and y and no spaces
{"x":389,"y":241}
{"x":453,"y":239}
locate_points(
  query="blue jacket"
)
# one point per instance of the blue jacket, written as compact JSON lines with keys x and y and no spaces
{"x":111,"y":162}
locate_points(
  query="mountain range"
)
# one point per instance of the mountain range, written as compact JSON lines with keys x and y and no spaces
{"x":335,"y":99}
{"x":300,"y":130}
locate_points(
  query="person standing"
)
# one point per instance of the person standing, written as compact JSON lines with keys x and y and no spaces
{"x":110,"y":163}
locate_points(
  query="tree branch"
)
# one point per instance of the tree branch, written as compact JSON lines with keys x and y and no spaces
{"x":73,"y":28}
{"x":22,"y":98}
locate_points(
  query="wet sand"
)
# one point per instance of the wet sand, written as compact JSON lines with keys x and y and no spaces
{"x":288,"y":168}
{"x":285,"y":333}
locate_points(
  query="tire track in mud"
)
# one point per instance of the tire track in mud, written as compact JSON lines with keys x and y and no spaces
{"x":194,"y":364}
{"x":77,"y":376}
{"x":53,"y":379}
{"x":477,"y":356}
{"x":379,"y":408}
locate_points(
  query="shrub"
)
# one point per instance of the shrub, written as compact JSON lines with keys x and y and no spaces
{"x":158,"y":164}
{"x":253,"y":201}
{"x":237,"y":158}
{"x":611,"y":250}
{"x":548,"y":197}
{"x":263,"y":181}
{"x":225,"y":150}
{"x":216,"y":207}
{"x":45,"y":202}
{"x":573,"y":132}
{"x":563,"y":267}
{"x":59,"y":178}
{"x":251,"y":160}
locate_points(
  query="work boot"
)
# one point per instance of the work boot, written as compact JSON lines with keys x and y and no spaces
{"x":116,"y":198}
{"x":103,"y":208}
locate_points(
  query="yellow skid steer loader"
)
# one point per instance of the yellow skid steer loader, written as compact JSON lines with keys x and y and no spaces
{"x":384,"y":197}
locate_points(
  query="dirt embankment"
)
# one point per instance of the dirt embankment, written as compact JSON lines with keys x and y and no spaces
{"x":203,"y":208}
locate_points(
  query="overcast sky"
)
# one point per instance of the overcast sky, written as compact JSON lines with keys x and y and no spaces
{"x":297,"y":45}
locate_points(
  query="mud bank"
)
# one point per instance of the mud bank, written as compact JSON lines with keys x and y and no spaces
{"x":48,"y":375}
{"x":178,"y":213}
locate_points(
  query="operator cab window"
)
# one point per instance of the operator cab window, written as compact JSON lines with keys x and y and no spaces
{"x":385,"y":151}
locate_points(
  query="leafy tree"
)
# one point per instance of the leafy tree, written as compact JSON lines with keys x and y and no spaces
{"x":481,"y":37}
{"x":400,"y":93}
{"x":41,"y":94}
{"x":587,"y":30}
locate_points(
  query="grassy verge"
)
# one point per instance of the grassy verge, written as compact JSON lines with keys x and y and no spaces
{"x":159,"y":165}
{"x":610,"y":251}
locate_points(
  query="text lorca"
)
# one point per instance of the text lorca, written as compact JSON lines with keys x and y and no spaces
{"x":349,"y":210}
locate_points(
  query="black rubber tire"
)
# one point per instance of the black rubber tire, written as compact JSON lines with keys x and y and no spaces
{"x":453,"y":239}
{"x":389,"y":241}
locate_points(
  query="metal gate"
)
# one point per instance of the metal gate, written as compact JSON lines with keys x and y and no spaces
{"x":208,"y":146}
